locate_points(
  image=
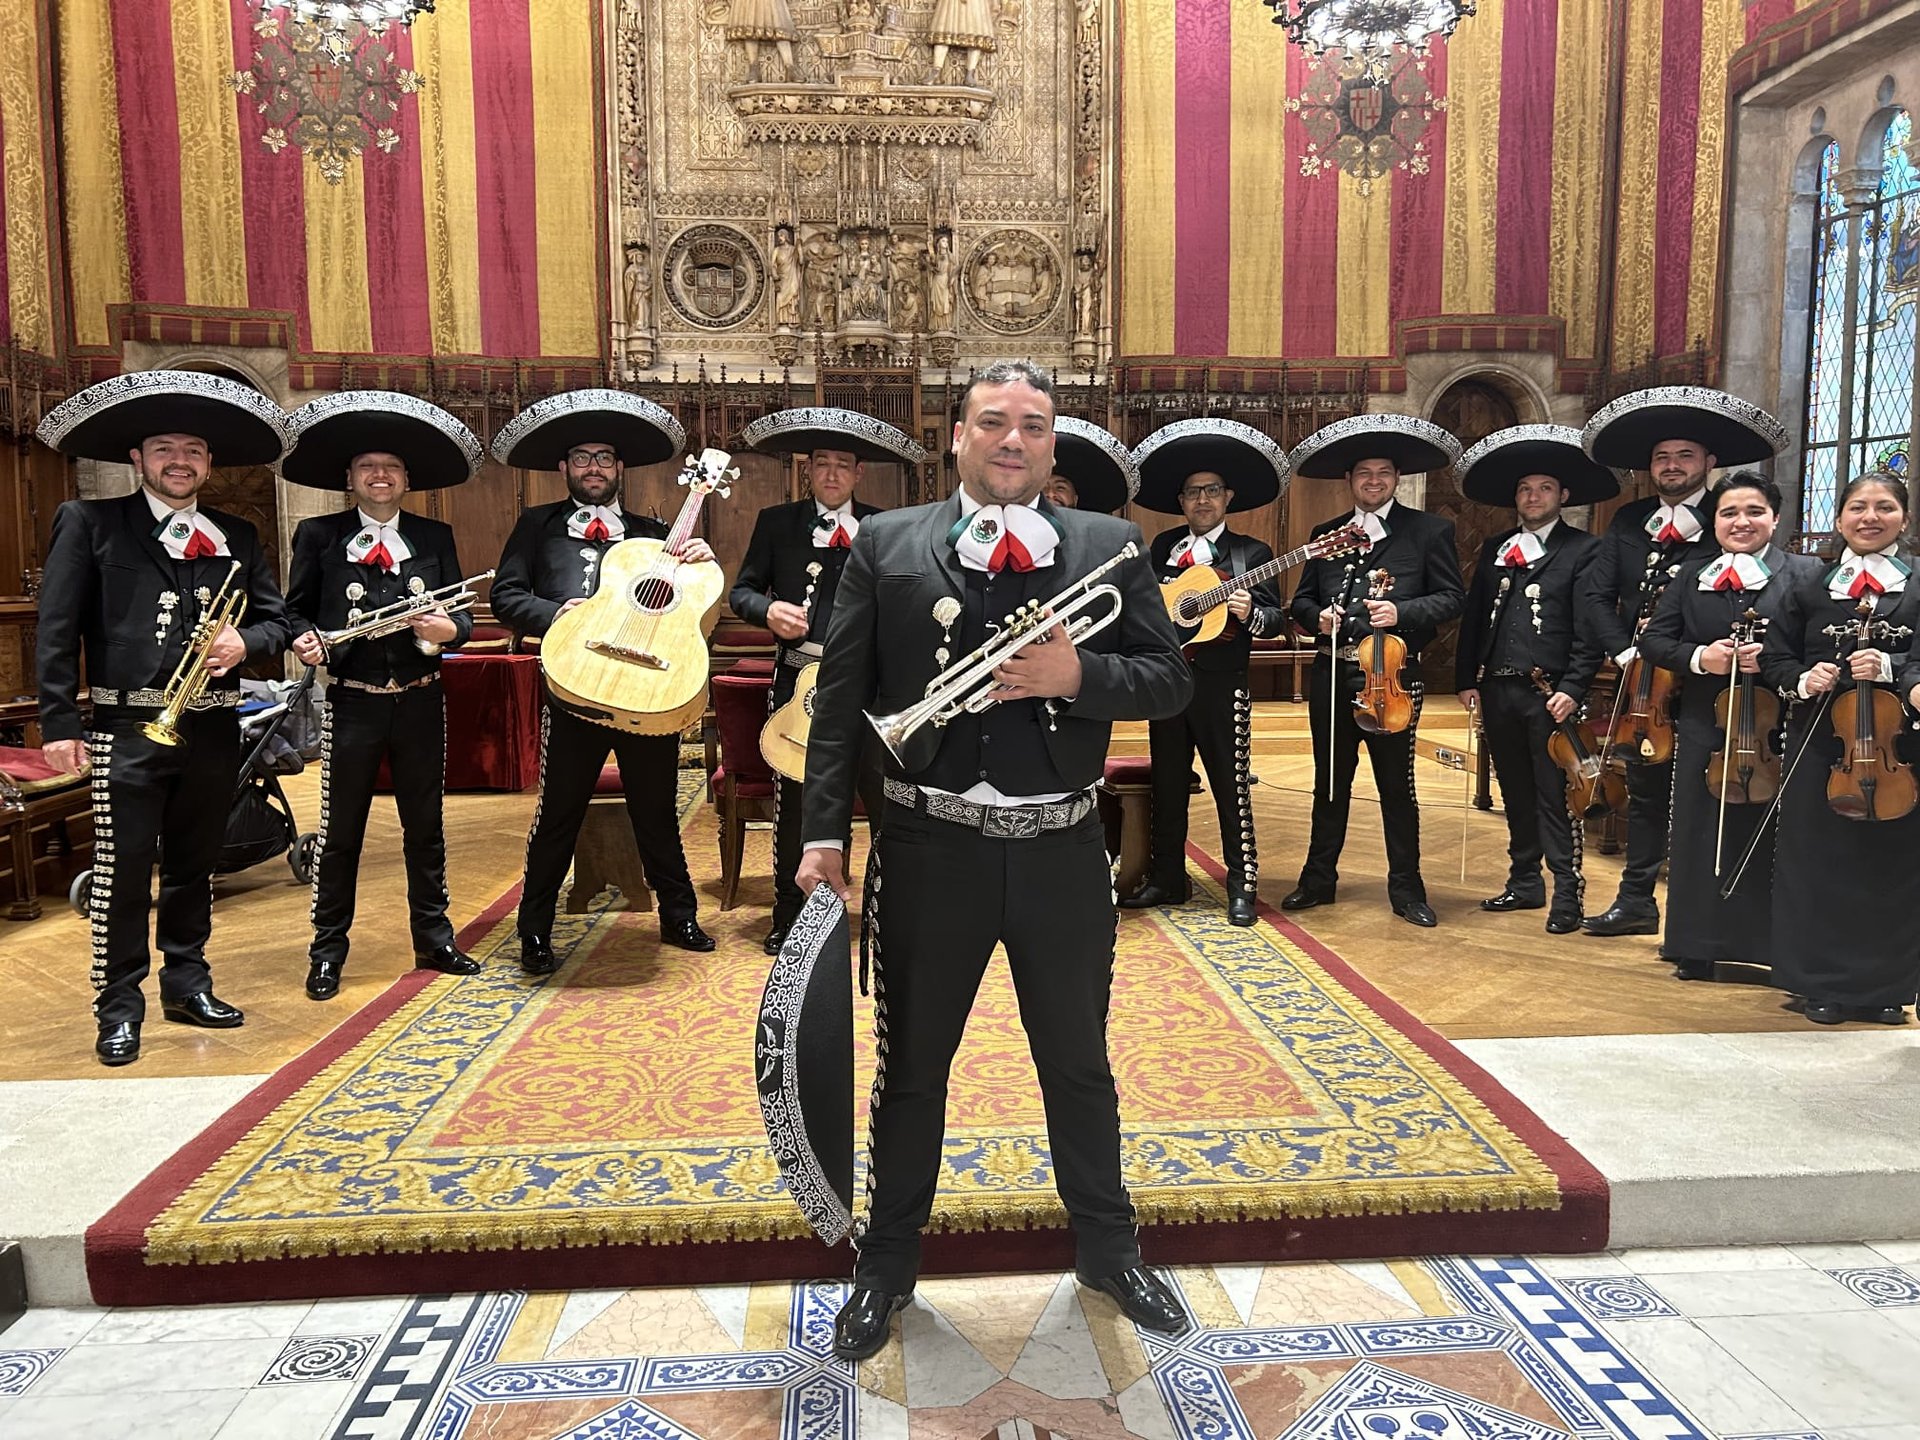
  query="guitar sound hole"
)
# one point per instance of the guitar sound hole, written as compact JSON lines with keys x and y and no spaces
{"x":654,"y":594}
{"x":1189,"y":609}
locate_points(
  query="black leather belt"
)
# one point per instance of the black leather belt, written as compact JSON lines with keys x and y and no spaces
{"x":999,"y":822}
{"x":800,"y":656}
{"x":396,"y":688}
{"x":151,"y":699}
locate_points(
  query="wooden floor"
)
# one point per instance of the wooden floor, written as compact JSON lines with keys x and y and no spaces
{"x":1478,"y":975}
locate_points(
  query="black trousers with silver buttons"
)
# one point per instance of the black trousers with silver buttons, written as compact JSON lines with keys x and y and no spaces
{"x":1218,"y":724}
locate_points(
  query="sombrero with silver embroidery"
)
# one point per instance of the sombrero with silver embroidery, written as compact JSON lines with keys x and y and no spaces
{"x":825,"y":427}
{"x":1625,"y":432}
{"x":1253,"y":467}
{"x":1492,"y":470}
{"x":1411,"y":444}
{"x":1102,"y":472}
{"x":437,"y":449}
{"x":109,"y":419}
{"x":539,"y":437}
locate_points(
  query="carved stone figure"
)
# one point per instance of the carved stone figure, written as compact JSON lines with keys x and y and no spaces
{"x":1086,"y":294}
{"x":638,"y":288}
{"x":752,"y":21}
{"x":866,"y":283}
{"x":1013,"y":281}
{"x":961,"y":25}
{"x":904,"y":287}
{"x":822,"y":280}
{"x":786,"y":277}
{"x":940,"y":284}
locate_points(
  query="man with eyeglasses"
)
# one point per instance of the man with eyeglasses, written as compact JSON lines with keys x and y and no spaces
{"x":552,"y":562}
{"x":788,"y":579}
{"x":1204,"y":469}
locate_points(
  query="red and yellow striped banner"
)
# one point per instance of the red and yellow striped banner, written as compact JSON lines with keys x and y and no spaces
{"x":479,"y":234}
{"x":29,"y":250}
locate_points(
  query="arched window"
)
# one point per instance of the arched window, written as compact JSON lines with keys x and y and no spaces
{"x":1880,"y":344}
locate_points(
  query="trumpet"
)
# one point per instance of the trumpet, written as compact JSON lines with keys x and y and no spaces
{"x":449,"y":599}
{"x":911,"y":735}
{"x":189,"y":679}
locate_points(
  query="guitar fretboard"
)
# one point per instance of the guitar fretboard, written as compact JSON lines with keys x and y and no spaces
{"x":1219,"y":595}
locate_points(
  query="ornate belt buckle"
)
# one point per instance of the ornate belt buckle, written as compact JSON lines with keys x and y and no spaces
{"x":1011,"y":822}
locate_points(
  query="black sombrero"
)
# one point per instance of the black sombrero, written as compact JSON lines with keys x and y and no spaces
{"x":539,"y":437}
{"x":108,"y":419}
{"x":1412,"y":445}
{"x":1254,"y":467}
{"x":437,"y":449}
{"x":1102,"y":472}
{"x":1625,"y":432}
{"x":803,"y":1064}
{"x":1492,"y":470}
{"x":826,"y":427}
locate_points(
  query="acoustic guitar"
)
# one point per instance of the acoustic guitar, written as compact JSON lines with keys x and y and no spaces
{"x":1196,"y":598}
{"x":634,"y":655}
{"x":783,"y":739}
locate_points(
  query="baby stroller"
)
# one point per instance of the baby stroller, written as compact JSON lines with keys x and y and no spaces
{"x":260,"y":823}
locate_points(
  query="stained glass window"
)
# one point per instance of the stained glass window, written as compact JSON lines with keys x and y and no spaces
{"x":1882,"y":342}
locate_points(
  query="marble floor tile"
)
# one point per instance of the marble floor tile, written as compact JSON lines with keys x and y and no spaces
{"x":287,"y":1412}
{"x":156,"y":1368}
{"x":1900,"y":1252}
{"x":581,"y":1307}
{"x":1241,"y":1283}
{"x":728,"y":1306}
{"x":1059,"y":1359}
{"x":1569,"y":1267}
{"x":1756,"y":1292}
{"x":352,"y":1317}
{"x":1874,"y":1432}
{"x":1836,"y":1369}
{"x":199,"y":1322}
{"x":180,"y":1415}
{"x":53,"y":1328}
{"x":1688,"y":1365}
{"x":943,"y":1370}
{"x":1696,"y":1259}
{"x":881,"y":1418}
{"x":995,"y":1315}
{"x":1308,"y":1294}
{"x":1852,"y":1256}
{"x":1144,"y":1412}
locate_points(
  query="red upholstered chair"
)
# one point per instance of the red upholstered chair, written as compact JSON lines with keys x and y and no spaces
{"x":488,"y":638}
{"x":743,"y":784}
{"x":1125,"y":796}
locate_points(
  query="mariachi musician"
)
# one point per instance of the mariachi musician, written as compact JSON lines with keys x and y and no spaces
{"x":1204,"y":470}
{"x":1412,"y":559}
{"x":1846,"y":931}
{"x":147,"y":590}
{"x":384,"y":700}
{"x":1678,"y":434}
{"x":1519,"y":622}
{"x":551,"y":563}
{"x":1702,"y":630}
{"x":1092,"y":468}
{"x":787,"y":582}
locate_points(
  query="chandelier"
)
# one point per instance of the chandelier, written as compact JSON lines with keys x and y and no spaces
{"x":1368,"y":31}
{"x":339,"y":25}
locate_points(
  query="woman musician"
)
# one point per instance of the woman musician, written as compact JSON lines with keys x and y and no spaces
{"x":1693,"y":633}
{"x":1846,"y":934}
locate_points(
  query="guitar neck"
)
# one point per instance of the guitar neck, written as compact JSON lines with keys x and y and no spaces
{"x":685,"y":521}
{"x":1258,"y":575}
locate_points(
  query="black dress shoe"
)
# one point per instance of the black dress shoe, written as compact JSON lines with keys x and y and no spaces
{"x":1153,"y":893}
{"x":323,"y":979}
{"x":1882,"y":1015}
{"x":1305,"y":899}
{"x":860,"y":1329}
{"x":1820,"y":1012}
{"x":1625,"y":919}
{"x":1417,"y":912}
{"x":687,"y":934}
{"x":536,"y":955}
{"x":1563,"y":922}
{"x":1241,"y":910}
{"x":1143,"y":1297}
{"x":1693,"y":969}
{"x":776,"y":937}
{"x":205,"y":1009}
{"x":1511,"y":899}
{"x":448,"y":960}
{"x":119,"y":1043}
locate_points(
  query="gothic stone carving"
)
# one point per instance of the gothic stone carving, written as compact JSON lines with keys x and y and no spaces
{"x":714,"y":276}
{"x":1013,"y":281}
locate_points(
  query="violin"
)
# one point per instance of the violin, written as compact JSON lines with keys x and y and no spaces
{"x":1744,"y":768}
{"x":1643,"y":710}
{"x":1383,"y":706}
{"x":1593,"y":787}
{"x":1869,"y":781}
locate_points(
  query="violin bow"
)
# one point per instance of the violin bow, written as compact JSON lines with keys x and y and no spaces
{"x":1773,"y":807}
{"x":1472,"y":774}
{"x":1726,"y":764}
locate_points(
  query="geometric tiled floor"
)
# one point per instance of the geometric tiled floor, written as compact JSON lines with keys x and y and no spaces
{"x":1637,"y":1345}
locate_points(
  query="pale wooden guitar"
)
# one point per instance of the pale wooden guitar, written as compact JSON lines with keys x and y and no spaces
{"x":783,"y":740}
{"x":634,"y":655}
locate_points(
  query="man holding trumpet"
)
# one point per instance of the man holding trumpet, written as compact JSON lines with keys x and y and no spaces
{"x":990,"y":834}
{"x":163,"y":598}
{"x":384,"y":700}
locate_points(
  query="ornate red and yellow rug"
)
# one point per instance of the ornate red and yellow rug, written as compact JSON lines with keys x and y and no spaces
{"x":601,"y":1128}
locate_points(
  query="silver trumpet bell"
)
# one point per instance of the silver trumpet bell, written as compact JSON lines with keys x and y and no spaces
{"x":1086,"y":607}
{"x":389,"y":619}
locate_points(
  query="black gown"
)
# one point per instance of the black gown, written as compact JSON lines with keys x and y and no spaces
{"x":1701,"y":927}
{"x":1845,"y":928}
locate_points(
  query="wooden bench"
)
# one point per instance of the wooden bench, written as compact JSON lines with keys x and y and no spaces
{"x":1125,"y":797}
{"x":1291,"y":650}
{"x":46,"y":832}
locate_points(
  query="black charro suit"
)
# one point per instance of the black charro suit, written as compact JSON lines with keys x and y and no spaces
{"x":384,"y":701}
{"x":112,"y":594}
{"x":1624,"y":585}
{"x":1218,"y":722}
{"x":1519,"y":619}
{"x":952,"y":893}
{"x":541,"y":569}
{"x":1418,"y":551}
{"x":777,"y":564}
